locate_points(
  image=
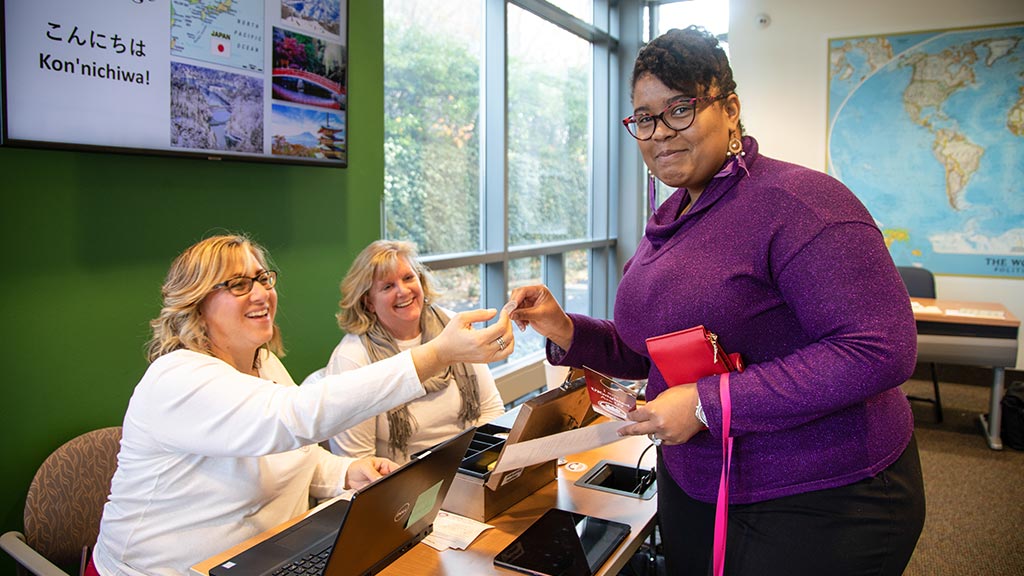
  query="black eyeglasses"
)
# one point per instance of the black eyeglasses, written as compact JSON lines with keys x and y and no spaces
{"x":242,"y":285}
{"x":678,"y":116}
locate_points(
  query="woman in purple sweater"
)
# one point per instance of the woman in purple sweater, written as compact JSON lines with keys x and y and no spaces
{"x":788,"y":268}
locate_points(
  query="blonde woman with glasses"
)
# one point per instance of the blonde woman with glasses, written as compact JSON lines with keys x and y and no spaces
{"x":388,"y":305}
{"x":219,"y":444}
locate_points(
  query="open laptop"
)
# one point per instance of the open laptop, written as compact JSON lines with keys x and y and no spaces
{"x":362,"y":535}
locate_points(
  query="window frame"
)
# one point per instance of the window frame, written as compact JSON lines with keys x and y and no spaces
{"x":609,"y":171}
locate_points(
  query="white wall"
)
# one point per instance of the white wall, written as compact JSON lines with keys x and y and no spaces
{"x":781,"y":72}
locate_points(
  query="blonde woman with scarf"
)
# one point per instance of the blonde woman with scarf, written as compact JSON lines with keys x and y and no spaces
{"x":387,"y":306}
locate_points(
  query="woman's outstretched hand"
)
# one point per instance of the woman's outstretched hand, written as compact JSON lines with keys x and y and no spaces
{"x":536,"y":307}
{"x":463,"y":343}
{"x":460,"y":342}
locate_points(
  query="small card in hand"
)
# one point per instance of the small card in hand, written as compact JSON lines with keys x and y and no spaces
{"x":608,"y":396}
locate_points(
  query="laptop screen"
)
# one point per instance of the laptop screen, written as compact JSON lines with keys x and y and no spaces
{"x":381,"y":522}
{"x":389,"y":517}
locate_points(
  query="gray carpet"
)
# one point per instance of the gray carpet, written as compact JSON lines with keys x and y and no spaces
{"x":975,"y":496}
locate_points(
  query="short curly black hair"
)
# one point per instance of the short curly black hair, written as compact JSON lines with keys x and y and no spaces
{"x":689,"y":60}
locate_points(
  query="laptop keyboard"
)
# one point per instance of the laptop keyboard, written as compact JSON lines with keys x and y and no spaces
{"x":310,"y":565}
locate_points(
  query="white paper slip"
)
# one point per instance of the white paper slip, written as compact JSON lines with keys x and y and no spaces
{"x":975,"y":313}
{"x":918,"y":307}
{"x":509,"y":306}
{"x":522,"y":454}
{"x":454,"y":531}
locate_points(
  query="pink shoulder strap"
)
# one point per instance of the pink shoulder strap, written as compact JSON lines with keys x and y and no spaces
{"x":722,"y":507}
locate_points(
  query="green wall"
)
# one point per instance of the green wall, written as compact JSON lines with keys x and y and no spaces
{"x":88,"y":237}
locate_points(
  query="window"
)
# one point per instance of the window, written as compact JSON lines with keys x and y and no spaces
{"x":710,"y":14}
{"x":523,"y":272}
{"x":661,"y":17}
{"x":460,"y":287}
{"x":582,"y":9}
{"x":548,"y":98}
{"x":432,"y":123}
{"x":497,"y":114}
{"x":577,"y":285}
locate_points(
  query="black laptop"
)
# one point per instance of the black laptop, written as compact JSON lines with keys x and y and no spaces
{"x":362,"y":535}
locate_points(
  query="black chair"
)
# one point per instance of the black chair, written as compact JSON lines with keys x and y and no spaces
{"x":921,"y":284}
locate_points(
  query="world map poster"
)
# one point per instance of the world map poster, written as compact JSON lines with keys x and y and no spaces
{"x":927,"y":129}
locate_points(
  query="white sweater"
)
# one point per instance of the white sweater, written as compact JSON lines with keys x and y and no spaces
{"x":211,"y":457}
{"x":436,"y":415}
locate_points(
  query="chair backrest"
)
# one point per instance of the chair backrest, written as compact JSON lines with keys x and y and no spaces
{"x":65,"y":500}
{"x":919,"y":281}
{"x":315,"y":375}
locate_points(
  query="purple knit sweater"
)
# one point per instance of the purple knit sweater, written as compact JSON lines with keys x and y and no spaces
{"x":787,"y":267}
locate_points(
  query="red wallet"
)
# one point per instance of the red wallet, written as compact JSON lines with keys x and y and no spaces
{"x":683,"y":357}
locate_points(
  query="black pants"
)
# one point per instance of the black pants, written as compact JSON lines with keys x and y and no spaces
{"x":867,"y":528}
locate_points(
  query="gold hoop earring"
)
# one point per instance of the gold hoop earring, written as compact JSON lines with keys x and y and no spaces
{"x":735,"y":147}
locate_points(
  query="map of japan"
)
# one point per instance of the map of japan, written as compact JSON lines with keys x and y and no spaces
{"x":225,"y":32}
{"x":927,"y":129}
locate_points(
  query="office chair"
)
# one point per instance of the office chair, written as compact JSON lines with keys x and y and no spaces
{"x":315,"y":375}
{"x":64,"y":505}
{"x":920,"y":283}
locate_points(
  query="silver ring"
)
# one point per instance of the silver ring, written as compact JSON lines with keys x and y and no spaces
{"x":654,"y":439}
{"x":501,"y":343}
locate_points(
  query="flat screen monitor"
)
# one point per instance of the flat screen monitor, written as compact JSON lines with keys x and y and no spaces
{"x":262,"y":80}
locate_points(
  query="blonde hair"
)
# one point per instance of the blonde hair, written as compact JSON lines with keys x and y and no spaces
{"x":376,"y":260}
{"x":192,"y":276}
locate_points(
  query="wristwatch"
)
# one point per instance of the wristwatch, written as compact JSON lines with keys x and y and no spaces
{"x":699,"y":413}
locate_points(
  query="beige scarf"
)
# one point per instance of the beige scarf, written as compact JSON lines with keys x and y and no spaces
{"x":380,"y":344}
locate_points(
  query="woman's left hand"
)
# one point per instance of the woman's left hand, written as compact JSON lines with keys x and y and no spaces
{"x":460,"y":342}
{"x":670,"y":417}
{"x":366,"y":470}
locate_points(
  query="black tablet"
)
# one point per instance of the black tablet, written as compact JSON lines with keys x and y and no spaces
{"x":562,"y":543}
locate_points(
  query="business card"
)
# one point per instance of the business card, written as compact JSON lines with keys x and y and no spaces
{"x":609,"y":397}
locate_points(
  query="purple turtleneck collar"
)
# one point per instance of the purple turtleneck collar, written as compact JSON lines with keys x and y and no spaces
{"x":665,"y":221}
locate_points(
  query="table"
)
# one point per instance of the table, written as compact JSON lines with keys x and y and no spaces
{"x":973,"y":334}
{"x":560,"y":493}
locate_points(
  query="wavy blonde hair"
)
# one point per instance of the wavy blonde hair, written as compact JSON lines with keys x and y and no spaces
{"x":192,"y":276}
{"x":378,"y":259}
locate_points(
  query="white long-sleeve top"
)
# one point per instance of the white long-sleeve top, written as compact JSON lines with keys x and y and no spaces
{"x":436,"y":414}
{"x":211,"y":456}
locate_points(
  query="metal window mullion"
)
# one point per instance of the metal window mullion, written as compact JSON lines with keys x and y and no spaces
{"x":602,"y":267}
{"x":553,"y":275}
{"x":632,"y":196}
{"x":566,"y":21}
{"x":614,"y":144}
{"x":599,"y":277}
{"x":599,"y":164}
{"x":599,"y":148}
{"x":495,"y":279}
{"x":555,"y":248}
{"x":493,"y":156}
{"x":443,"y":261}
